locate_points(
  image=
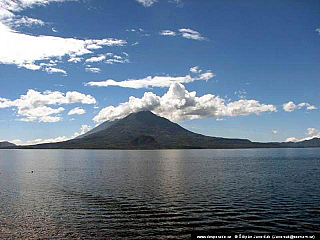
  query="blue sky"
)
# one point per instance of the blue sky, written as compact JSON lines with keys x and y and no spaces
{"x":240,"y":69}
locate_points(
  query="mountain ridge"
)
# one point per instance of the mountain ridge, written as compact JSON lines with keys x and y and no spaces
{"x":145,"y":130}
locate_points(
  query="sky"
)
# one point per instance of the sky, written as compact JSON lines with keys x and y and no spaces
{"x":236,"y":69}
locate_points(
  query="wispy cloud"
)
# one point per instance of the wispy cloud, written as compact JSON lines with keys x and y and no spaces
{"x":149,"y":3}
{"x":109,"y":58}
{"x":178,"y":104}
{"x":156,"y":81}
{"x":168,"y":33}
{"x":17,"y":22}
{"x":184,"y":32}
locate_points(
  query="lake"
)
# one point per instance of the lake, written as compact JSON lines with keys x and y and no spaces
{"x":108,"y":194}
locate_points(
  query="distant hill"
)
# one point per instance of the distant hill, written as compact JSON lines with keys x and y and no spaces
{"x":145,"y":130}
{"x":7,"y":144}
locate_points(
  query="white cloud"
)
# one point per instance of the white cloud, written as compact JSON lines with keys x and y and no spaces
{"x":184,"y":32}
{"x":312,"y":132}
{"x":25,"y":50}
{"x":112,"y":58}
{"x":50,"y":119}
{"x":77,"y":110}
{"x":51,"y":70}
{"x":292,"y":139}
{"x":179,"y":105}
{"x":156,"y":81}
{"x":195,"y":69}
{"x":274,"y":131}
{"x":291,"y":106}
{"x":168,"y":33}
{"x":318,"y":30}
{"x":307,"y":106}
{"x":220,"y":119}
{"x":147,"y":3}
{"x":93,"y":70}
{"x":17,"y":22}
{"x":96,"y":59}
{"x":84,"y":129}
{"x":36,"y":106}
{"x":75,"y":59}
{"x":191,"y":34}
{"x":40,"y":141}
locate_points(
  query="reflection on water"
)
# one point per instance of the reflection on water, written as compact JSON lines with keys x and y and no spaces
{"x":157,"y":194}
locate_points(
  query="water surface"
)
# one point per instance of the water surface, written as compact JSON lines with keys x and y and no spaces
{"x":157,"y":194}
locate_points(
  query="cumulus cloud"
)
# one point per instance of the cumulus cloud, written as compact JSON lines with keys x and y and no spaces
{"x":51,"y":70}
{"x":37,"y":106}
{"x":77,"y":111}
{"x":291,"y":106}
{"x":84,"y":129}
{"x":311,"y":132}
{"x":156,"y":81}
{"x":178,"y":104}
{"x":184,"y":32}
{"x":28,"y":51}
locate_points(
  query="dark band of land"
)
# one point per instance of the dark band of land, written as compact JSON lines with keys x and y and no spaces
{"x":145,"y":130}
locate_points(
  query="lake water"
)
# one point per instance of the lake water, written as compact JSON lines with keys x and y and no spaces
{"x":157,"y":194}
